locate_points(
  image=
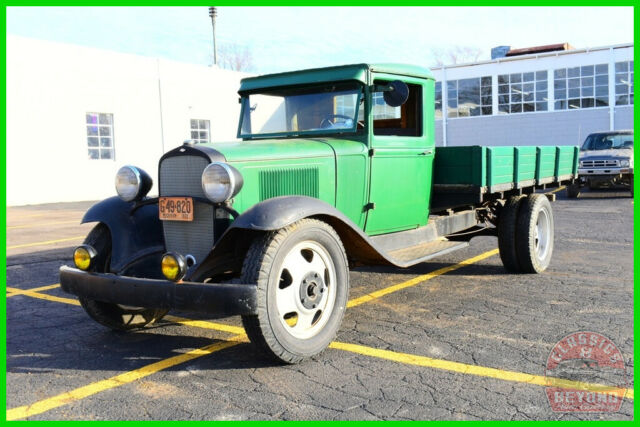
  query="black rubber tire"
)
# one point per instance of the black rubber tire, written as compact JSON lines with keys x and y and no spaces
{"x":507,"y":234}
{"x":573,"y":191}
{"x":111,"y":315}
{"x":528,"y":214}
{"x":262,"y":266}
{"x":631,"y":186}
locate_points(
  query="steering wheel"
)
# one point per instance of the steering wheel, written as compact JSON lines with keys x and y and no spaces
{"x":326,"y":123}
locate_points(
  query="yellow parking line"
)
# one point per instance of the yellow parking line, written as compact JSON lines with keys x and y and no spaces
{"x":29,"y":293}
{"x":419,"y":279}
{"x":476,"y":370}
{"x":562,"y":187}
{"x":41,"y":288}
{"x":204,"y":324}
{"x":117,"y":380}
{"x":405,"y":358}
{"x":48,"y":242}
{"x":44,"y":224}
{"x":175,"y":319}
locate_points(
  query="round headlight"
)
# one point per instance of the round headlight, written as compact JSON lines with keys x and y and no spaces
{"x":220,"y":182}
{"x":624,"y":163}
{"x":132,"y":183}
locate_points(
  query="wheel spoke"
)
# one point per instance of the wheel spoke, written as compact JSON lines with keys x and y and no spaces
{"x":304,"y":321}
{"x":286,"y":299}
{"x":317,"y":265}
{"x":297,"y":266}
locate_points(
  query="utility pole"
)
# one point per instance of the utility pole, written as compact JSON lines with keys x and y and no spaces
{"x":213,"y":13}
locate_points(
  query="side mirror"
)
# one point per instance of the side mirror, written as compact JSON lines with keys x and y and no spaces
{"x":395,"y":93}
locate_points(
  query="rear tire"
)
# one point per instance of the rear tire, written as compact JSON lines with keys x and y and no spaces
{"x":114,"y":316}
{"x":302,"y":276}
{"x":507,"y":234}
{"x":534,"y":234}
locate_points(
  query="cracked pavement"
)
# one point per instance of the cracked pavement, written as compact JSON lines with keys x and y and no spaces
{"x":478,"y":315}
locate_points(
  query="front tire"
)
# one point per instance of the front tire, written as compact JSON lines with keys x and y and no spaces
{"x":534,"y":233}
{"x":114,"y":316}
{"x":302,"y":276}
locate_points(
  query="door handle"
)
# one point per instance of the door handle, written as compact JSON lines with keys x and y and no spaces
{"x":426,"y":152}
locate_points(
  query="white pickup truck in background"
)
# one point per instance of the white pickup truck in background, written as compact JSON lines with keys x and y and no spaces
{"x":606,"y":161}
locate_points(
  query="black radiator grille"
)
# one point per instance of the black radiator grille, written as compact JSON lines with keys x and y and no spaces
{"x":182,"y":176}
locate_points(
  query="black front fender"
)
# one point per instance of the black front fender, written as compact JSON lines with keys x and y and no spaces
{"x":134,"y":233}
{"x":279,"y":212}
{"x":276,"y":213}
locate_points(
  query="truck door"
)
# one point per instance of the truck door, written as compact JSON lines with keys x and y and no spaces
{"x":401,"y":154}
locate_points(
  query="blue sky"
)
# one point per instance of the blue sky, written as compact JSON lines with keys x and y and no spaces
{"x":285,"y":38}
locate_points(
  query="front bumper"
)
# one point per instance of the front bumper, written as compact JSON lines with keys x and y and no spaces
{"x":214,"y":298}
{"x":583,"y":172}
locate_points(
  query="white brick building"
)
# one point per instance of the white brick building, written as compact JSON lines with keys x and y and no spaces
{"x":76,"y":114}
{"x":543,"y":98}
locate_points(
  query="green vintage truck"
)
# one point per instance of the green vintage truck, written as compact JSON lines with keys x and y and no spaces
{"x":336,"y":167}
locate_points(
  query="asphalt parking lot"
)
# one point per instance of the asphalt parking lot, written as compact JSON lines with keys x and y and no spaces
{"x":453,"y":339}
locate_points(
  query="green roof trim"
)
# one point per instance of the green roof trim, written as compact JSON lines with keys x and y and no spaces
{"x":357,"y":72}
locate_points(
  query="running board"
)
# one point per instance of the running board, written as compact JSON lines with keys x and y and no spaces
{"x":412,"y":255}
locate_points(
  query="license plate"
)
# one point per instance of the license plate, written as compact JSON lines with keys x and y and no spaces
{"x":175,"y":208}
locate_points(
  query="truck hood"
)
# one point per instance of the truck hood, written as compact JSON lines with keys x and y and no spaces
{"x":607,"y":154}
{"x":272,"y":149}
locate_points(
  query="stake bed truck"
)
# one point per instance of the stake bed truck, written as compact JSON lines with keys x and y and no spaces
{"x":334,"y":168}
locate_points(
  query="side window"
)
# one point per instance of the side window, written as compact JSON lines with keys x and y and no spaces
{"x":100,"y":136}
{"x":405,"y":120}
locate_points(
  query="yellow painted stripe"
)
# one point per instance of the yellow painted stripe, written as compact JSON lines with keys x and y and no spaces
{"x":419,"y":279}
{"x":116,"y":381}
{"x":480,"y":371}
{"x":395,"y":356}
{"x":43,"y":224}
{"x":48,"y":242}
{"x":29,"y":293}
{"x":205,"y":324}
{"x":176,"y":319}
{"x":41,"y":288}
{"x":562,"y":187}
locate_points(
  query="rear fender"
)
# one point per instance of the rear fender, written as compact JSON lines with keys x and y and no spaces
{"x":134,"y":233}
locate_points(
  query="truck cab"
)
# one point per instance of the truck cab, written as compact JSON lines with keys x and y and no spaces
{"x":333,"y":168}
{"x":376,"y":145}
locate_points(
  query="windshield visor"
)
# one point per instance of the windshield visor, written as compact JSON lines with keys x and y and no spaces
{"x":317,"y":110}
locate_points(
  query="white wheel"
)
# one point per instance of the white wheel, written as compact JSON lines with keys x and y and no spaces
{"x":534,"y":234}
{"x":302,"y":276}
{"x":306,"y":293}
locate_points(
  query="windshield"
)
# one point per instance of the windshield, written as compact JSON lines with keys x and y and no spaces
{"x":603,"y":141}
{"x":327,"y":109}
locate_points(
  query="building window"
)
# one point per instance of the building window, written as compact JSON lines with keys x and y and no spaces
{"x":581,"y":87}
{"x":100,"y":136}
{"x":381,"y":110}
{"x":200,"y":130}
{"x":522,"y":92}
{"x":438,"y":100}
{"x":624,"y":83}
{"x":469,"y":97}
